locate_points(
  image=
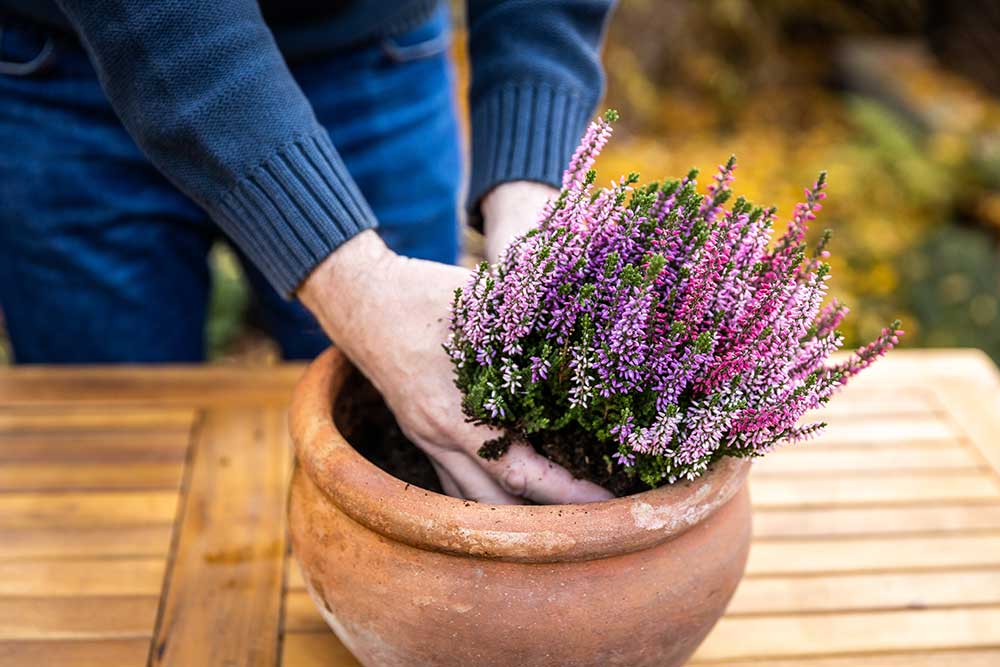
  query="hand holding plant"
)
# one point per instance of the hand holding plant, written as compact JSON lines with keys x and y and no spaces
{"x":389,"y":314}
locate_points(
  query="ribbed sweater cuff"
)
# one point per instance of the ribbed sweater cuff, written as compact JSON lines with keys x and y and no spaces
{"x":525,"y":131}
{"x":293,"y":210}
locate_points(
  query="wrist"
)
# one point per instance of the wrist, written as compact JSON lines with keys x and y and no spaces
{"x":511,"y":209}
{"x":340,"y":285}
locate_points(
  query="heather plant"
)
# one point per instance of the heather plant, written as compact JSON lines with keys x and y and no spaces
{"x":641,"y":332}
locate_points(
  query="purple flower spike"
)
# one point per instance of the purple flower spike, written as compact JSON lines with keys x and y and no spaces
{"x":653,"y":326}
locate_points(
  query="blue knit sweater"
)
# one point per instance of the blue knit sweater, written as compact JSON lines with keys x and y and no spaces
{"x":203,"y":88}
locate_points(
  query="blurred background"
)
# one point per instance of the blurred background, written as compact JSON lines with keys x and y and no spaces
{"x":896,"y":99}
{"x":899,"y":100}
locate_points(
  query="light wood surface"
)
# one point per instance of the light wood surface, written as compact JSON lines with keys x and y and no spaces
{"x":142,"y":523}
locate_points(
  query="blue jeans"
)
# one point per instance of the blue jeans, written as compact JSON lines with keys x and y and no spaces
{"x":103,"y":260}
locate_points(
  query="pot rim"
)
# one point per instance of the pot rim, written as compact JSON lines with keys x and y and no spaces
{"x":518,"y":533}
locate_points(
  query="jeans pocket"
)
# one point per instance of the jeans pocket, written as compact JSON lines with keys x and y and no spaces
{"x":430,"y":38}
{"x":25,"y":52}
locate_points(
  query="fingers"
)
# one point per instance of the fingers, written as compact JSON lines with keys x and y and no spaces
{"x":524,"y":472}
{"x":472,"y":482}
{"x":448,"y":483}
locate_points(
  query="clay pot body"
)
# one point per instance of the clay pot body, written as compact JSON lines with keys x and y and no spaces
{"x":408,"y":577}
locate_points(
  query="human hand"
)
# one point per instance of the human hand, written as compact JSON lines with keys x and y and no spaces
{"x":389,"y":315}
{"x":511,"y":209}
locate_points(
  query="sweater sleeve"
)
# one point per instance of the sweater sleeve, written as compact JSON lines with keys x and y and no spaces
{"x":536,"y":80}
{"x":202,"y":88}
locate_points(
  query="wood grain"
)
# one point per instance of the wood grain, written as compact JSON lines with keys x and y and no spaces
{"x":74,"y":653}
{"x":807,"y":635}
{"x":92,"y":417}
{"x":878,"y":521}
{"x":877,"y":545}
{"x":976,"y":411}
{"x":79,"y":617}
{"x":880,"y":430}
{"x":68,"y":542}
{"x":887,"y":591}
{"x":874,"y":489}
{"x":317,"y":649}
{"x":168,"y":386}
{"x":799,"y":556}
{"x":989,"y":657}
{"x":111,"y":446}
{"x":112,"y":509}
{"x":82,"y":577}
{"x":88,"y":476}
{"x":301,"y":614}
{"x":806,"y":460}
{"x":874,"y":400}
{"x":223,"y":595}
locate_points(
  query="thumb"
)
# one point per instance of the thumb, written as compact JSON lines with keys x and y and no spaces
{"x":524,"y":472}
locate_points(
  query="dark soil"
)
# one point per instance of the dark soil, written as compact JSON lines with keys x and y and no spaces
{"x":363,"y":418}
{"x":585,"y":459}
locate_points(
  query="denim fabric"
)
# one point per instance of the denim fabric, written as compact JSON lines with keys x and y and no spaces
{"x":102,"y":259}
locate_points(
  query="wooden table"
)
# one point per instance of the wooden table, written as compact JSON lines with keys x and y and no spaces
{"x":142,"y":522}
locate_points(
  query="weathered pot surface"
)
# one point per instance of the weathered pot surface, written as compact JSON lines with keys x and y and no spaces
{"x":410,"y":577}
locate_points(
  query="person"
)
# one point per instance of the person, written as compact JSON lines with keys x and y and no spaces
{"x":322,"y":140}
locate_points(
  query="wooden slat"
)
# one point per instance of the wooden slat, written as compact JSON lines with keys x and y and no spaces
{"x":804,"y":459}
{"x":770,"y":593}
{"x":878,"y":430}
{"x":976,"y":411}
{"x":855,"y":402}
{"x":301,"y":614}
{"x":923,"y":368}
{"x":74,"y":653}
{"x":989,"y":657}
{"x":321,"y":649}
{"x":89,"y":476}
{"x":169,"y":386}
{"x":223,"y":597}
{"x":76,"y":542}
{"x":886,"y":489}
{"x":125,"y":446}
{"x":294,"y":581}
{"x":84,"y":509}
{"x":325,"y":650}
{"x":878,"y":545}
{"x":82,"y":576}
{"x":77,"y":617}
{"x":874,"y":554}
{"x":790,"y":595}
{"x":829,"y":634}
{"x":794,"y":595}
{"x":824,"y":443}
{"x":92,"y":417}
{"x":854,"y":521}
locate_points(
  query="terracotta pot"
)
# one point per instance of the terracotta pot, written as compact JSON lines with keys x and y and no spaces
{"x":411,"y":577}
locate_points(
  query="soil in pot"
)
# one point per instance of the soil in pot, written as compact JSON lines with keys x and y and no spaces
{"x":362,"y":416}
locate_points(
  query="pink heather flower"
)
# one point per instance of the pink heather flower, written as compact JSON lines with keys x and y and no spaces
{"x":656,"y":438}
{"x":654,"y":325}
{"x":540,"y":369}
